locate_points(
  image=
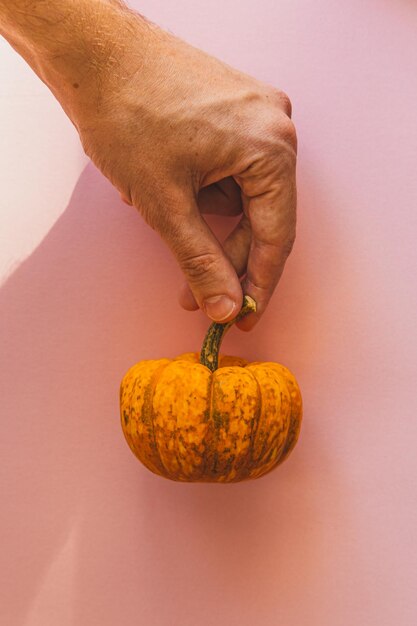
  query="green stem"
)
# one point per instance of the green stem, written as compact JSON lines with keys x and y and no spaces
{"x":209,"y":355}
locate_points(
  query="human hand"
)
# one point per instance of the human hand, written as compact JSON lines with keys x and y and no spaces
{"x":180,"y":133}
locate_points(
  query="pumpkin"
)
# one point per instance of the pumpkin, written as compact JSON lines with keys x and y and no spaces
{"x":210,"y":418}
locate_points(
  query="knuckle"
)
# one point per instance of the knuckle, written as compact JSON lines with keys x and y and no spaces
{"x":288,"y":132}
{"x":288,"y":245}
{"x":271,"y":126}
{"x":197,"y":267}
{"x":280,"y":134}
{"x":282,"y":141}
{"x":280,"y":99}
{"x":285,"y":103}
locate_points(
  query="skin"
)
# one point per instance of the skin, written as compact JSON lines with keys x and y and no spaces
{"x":179,"y":134}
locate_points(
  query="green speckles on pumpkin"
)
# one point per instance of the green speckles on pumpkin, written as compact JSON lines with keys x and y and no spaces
{"x":190,"y":424}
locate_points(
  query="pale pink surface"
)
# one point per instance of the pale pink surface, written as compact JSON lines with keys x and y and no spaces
{"x":89,"y":536}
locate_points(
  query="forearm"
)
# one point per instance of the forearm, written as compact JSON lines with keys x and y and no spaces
{"x":75,"y":45}
{"x":177,"y":132}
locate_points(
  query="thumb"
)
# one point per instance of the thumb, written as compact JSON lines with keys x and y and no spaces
{"x":209,"y":273}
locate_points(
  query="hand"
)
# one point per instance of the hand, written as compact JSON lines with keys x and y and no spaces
{"x":180,"y":133}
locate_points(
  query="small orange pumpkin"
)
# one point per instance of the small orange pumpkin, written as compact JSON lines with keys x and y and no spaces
{"x":188,"y":419}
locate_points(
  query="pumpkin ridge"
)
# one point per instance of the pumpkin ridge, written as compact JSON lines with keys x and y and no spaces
{"x":205,"y":419}
{"x":123,"y":413}
{"x":135,"y":382}
{"x":265,"y":457}
{"x":212,"y":456}
{"x":148,"y":404}
{"x":177,"y":436}
{"x":255,"y":426}
{"x":295,"y":419}
{"x":216,"y":422}
{"x":209,"y":447}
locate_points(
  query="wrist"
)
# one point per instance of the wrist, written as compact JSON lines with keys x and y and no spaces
{"x":78,"y":47}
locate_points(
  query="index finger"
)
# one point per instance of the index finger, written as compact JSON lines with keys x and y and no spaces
{"x":273,"y":221}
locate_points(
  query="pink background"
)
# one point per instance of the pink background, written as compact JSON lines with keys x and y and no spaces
{"x":92,"y":538}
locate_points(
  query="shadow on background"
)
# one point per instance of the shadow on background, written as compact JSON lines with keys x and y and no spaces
{"x":87,"y":530}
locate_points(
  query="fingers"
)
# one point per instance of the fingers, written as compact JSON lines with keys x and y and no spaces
{"x":260,"y":245}
{"x":236,"y":247}
{"x":273,"y":221}
{"x":221,"y":198}
{"x":186,"y":298}
{"x":209,"y":273}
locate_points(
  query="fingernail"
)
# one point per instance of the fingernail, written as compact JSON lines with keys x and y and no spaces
{"x":218,"y":308}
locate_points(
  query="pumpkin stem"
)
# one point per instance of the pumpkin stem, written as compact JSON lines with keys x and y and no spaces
{"x":209,"y":355}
